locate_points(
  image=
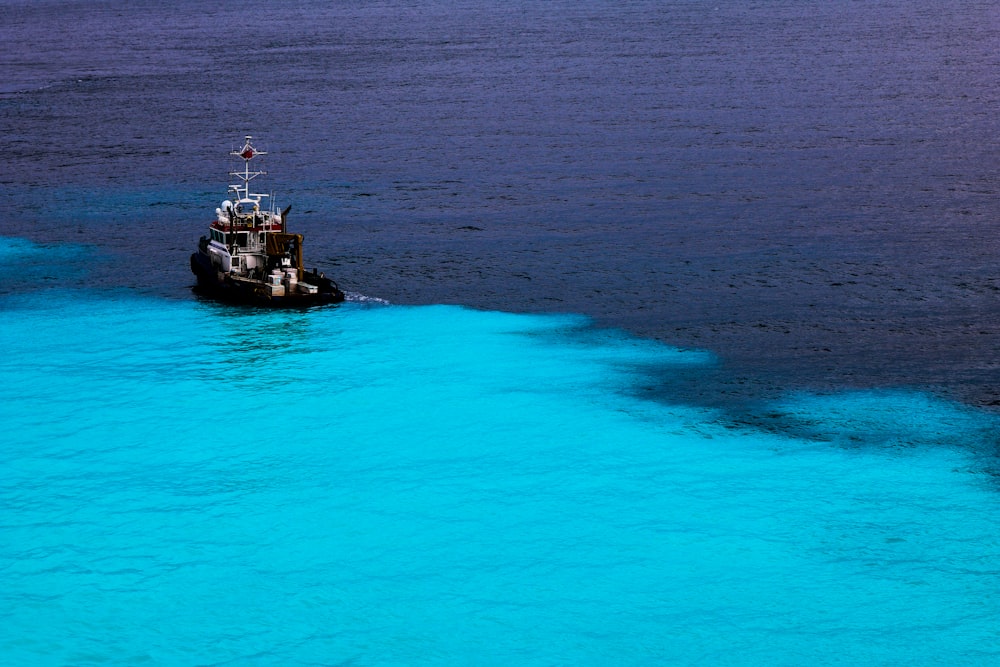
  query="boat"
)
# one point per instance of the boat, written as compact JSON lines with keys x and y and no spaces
{"x":249,"y":256}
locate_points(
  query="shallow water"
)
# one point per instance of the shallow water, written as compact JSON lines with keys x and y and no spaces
{"x":672,"y":335}
{"x":188,"y":484}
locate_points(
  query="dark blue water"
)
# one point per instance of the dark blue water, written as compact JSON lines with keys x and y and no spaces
{"x":807,"y":188}
{"x":725,"y":395}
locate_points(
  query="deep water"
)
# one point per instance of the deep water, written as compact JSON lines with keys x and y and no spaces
{"x":672,"y":335}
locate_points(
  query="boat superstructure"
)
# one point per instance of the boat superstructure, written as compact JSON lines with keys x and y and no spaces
{"x":249,"y":256}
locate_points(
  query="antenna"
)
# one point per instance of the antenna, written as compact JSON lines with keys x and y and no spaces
{"x":247,"y":153}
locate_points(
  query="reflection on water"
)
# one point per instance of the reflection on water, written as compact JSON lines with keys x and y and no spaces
{"x":256,"y":342}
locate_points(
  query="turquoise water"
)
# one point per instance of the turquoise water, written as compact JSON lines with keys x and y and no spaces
{"x":802,"y":195}
{"x":187,"y":484}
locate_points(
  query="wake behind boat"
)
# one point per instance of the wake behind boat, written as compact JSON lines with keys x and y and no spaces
{"x":249,"y":256}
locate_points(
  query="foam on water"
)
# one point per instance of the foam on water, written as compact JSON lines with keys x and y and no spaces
{"x":184,"y":483}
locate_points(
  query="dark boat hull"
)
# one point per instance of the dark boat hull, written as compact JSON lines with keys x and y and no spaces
{"x":233,"y":289}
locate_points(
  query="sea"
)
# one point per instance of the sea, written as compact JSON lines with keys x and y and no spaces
{"x":672,"y":334}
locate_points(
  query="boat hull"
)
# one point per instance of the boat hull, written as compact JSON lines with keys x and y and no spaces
{"x":238,"y":290}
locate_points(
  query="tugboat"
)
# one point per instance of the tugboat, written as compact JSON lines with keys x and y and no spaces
{"x":250,"y":258}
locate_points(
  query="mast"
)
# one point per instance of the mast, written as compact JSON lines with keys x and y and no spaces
{"x":242,"y":191}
